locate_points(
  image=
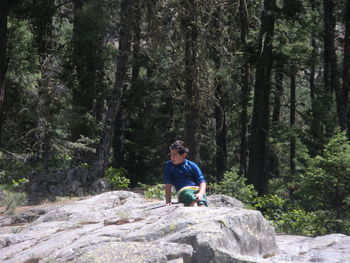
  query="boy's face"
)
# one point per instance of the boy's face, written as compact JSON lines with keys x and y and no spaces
{"x":177,"y":158}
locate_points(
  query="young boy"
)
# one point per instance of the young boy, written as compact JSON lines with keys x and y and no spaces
{"x":185,"y":176}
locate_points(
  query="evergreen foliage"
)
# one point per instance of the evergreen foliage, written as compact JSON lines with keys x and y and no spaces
{"x":325,"y":184}
{"x":190,"y":74}
{"x":235,"y":185}
{"x":117,"y":179}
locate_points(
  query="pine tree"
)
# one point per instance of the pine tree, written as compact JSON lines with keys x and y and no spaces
{"x":259,"y":139}
{"x":3,"y":59}
{"x":346,"y":67}
{"x":103,"y":151}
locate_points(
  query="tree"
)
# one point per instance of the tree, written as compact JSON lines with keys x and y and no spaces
{"x":192,"y":108}
{"x":89,"y":30}
{"x":292,"y":154}
{"x":259,"y":139}
{"x":126,"y":11}
{"x":330,"y":72}
{"x":42,"y":15}
{"x":316,"y":132}
{"x":245,"y":89}
{"x":329,"y":52}
{"x":325,"y":185}
{"x":219,"y":109}
{"x":121,"y":119}
{"x":3,"y":58}
{"x":346,"y":67}
{"x":274,"y":161}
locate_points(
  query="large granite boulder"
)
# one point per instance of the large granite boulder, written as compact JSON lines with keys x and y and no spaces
{"x":123,"y":227}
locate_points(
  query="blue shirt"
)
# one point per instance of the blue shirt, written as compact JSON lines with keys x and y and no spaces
{"x":185,"y":174}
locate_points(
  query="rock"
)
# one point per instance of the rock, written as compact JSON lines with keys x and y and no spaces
{"x":14,"y":223}
{"x":101,"y":185}
{"x":209,"y":230}
{"x":224,"y":201}
{"x":151,"y":252}
{"x":7,"y":239}
{"x":73,"y":182}
{"x":54,"y":177}
{"x":80,"y":191}
{"x":74,"y":186}
{"x":122,"y":227}
{"x":333,"y":248}
{"x":28,"y":216}
{"x":55,"y":189}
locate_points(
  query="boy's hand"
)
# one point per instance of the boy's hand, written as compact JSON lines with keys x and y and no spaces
{"x":167,"y":188}
{"x":198,"y":196}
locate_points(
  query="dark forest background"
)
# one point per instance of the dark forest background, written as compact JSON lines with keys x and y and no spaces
{"x":258,"y":89}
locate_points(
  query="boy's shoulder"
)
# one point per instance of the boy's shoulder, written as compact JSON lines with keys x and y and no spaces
{"x":168,"y":163}
{"x":188,"y":162}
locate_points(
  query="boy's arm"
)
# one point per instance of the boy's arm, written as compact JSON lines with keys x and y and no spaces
{"x":200,"y":179}
{"x":167,"y":182}
{"x":202,"y":189}
{"x":167,"y":189}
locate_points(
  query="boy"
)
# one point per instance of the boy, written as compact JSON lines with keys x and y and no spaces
{"x":185,"y":176}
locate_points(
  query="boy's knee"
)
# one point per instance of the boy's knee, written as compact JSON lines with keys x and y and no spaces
{"x":187,"y":198}
{"x":194,"y":203}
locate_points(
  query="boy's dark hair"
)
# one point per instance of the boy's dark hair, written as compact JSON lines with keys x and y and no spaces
{"x":180,"y":147}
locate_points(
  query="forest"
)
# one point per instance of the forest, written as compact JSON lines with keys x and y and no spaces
{"x":258,"y":89}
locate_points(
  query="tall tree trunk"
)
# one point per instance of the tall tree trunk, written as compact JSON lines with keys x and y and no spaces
{"x":274,"y":162}
{"x":292,"y":121}
{"x":221,"y":132}
{"x":136,"y":30}
{"x":126,"y":11}
{"x":259,"y":141}
{"x":120,"y":122}
{"x":276,"y":112}
{"x":346,"y":67}
{"x":331,"y":78}
{"x":87,"y":42}
{"x":245,"y":90}
{"x":220,"y":115}
{"x":335,"y":76}
{"x":315,"y":127}
{"x":3,"y":59}
{"x":119,"y":139}
{"x":329,"y":26}
{"x":45,"y":114}
{"x":192,"y":108}
{"x":42,"y":20}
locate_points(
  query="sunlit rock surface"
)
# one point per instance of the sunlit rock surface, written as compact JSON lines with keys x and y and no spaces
{"x":123,"y":227}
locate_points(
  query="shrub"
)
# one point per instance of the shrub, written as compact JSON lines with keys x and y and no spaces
{"x":297,"y":221}
{"x":117,"y":179}
{"x":234,"y":185}
{"x":300,"y":222}
{"x":316,"y":223}
{"x":325,"y":185}
{"x":156,"y":191}
{"x":270,"y":205}
{"x":12,"y":171}
{"x":294,"y":221}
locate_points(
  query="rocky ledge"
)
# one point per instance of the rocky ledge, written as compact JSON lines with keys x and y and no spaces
{"x":123,"y":227}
